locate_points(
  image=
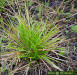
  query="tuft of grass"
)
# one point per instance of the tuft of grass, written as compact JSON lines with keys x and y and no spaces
{"x":2,"y":2}
{"x":74,"y":28}
{"x":31,"y":40}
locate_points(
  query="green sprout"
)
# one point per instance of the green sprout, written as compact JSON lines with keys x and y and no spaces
{"x":2,"y":2}
{"x":74,"y":28}
{"x":31,"y":40}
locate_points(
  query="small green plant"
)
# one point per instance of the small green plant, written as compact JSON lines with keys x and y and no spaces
{"x":2,"y":2}
{"x":30,"y":3}
{"x":74,"y":28}
{"x":32,"y":40}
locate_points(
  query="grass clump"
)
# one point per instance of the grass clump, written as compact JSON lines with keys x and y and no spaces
{"x":74,"y":28}
{"x":2,"y":2}
{"x":31,"y":40}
